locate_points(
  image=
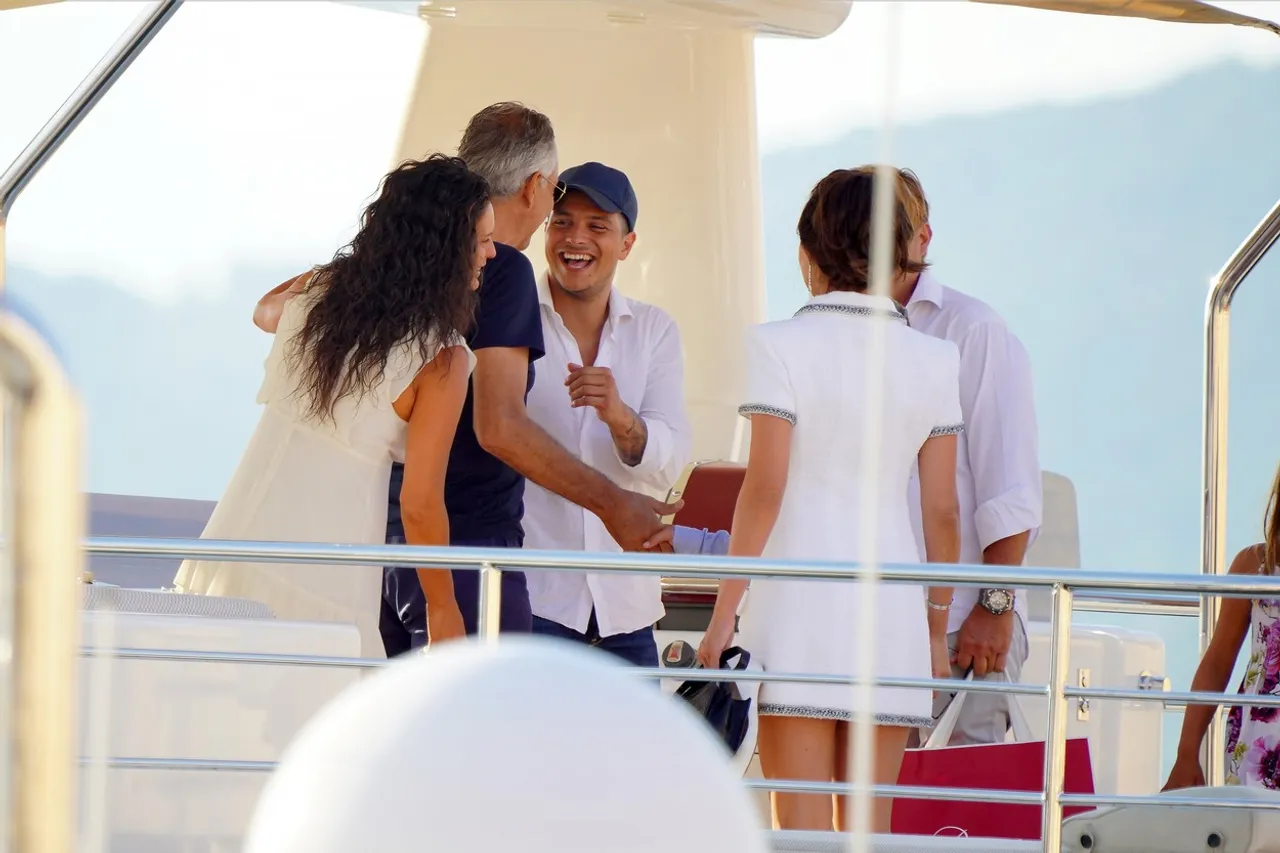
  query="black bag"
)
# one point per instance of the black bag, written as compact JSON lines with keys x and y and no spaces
{"x":720,"y":702}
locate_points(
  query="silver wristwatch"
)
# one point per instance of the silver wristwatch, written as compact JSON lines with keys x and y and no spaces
{"x":996,"y":601}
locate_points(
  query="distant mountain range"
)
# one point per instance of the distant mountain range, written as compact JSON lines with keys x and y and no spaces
{"x":1092,"y":228}
{"x":182,"y":368}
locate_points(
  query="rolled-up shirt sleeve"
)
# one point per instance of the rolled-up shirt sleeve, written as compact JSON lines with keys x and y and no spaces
{"x":998,"y":403}
{"x":769,"y":389}
{"x":669,"y":445}
{"x":692,"y":540}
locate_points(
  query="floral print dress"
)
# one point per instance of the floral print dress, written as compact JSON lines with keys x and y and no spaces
{"x":1253,"y":734}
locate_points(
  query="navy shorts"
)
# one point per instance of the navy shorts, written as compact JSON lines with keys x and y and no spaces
{"x":638,"y":648}
{"x":403,"y":621}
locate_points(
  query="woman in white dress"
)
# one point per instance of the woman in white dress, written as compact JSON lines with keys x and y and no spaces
{"x":813,"y":476}
{"x":368,"y":366}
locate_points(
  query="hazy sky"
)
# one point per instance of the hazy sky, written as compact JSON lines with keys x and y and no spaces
{"x":958,"y":57}
{"x":250,"y":133}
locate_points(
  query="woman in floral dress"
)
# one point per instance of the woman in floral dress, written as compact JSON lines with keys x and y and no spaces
{"x":1253,"y":733}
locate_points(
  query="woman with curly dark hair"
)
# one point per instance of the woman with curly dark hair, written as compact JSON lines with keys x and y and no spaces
{"x":368,"y":367}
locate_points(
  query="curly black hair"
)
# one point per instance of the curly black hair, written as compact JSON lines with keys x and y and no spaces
{"x":405,"y":278}
{"x":835,"y":229}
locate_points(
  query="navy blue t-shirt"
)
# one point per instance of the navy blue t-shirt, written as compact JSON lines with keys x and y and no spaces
{"x":484,"y":495}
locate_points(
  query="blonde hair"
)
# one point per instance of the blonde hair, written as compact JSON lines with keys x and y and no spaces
{"x":910,"y":194}
{"x":1271,"y":528}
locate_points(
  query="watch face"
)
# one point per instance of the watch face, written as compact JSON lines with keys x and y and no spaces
{"x":997,"y":600}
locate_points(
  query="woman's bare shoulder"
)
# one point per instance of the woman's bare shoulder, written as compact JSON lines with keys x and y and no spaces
{"x":1249,"y":560}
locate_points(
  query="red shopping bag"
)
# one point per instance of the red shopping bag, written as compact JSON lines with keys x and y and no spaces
{"x":1017,"y":766}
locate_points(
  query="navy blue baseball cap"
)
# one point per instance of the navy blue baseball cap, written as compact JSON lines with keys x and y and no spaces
{"x":608,"y":188}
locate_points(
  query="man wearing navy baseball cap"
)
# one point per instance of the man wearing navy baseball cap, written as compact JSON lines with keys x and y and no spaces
{"x":611,"y":389}
{"x":607,"y":188}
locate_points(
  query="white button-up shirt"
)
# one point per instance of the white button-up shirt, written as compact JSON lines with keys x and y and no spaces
{"x":640,"y":344}
{"x":997,"y":458}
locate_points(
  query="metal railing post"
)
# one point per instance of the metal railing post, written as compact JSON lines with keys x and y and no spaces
{"x":1217,"y":347}
{"x":489,"y":615}
{"x":86,"y":96}
{"x":1055,"y":743}
{"x":46,"y":508}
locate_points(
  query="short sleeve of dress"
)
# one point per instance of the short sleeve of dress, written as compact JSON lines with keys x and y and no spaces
{"x":459,"y":341}
{"x":949,"y":419}
{"x":769,"y":389}
{"x":405,"y":363}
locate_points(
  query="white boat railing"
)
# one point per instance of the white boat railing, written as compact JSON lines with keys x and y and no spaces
{"x":491,"y":562}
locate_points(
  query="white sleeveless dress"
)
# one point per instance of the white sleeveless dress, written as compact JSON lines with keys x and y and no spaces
{"x":301,"y":480}
{"x":814,"y":370}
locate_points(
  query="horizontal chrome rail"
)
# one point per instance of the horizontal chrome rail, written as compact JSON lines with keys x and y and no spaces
{"x":1168,"y":698}
{"x":1173,"y":698}
{"x":256,"y":658}
{"x":1095,"y":602}
{"x":1003,"y":796}
{"x":200,"y":764}
{"x":1099,"y":800}
{"x":662,"y":673}
{"x":689,"y":586}
{"x":913,"y":792}
{"x":1137,"y":604}
{"x":675,"y":565}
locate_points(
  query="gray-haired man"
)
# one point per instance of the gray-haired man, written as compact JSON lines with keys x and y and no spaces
{"x":497,"y":446}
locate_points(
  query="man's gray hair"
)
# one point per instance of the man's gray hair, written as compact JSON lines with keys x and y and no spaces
{"x":506,"y":143}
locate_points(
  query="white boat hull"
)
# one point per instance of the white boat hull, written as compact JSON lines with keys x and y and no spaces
{"x":249,"y":712}
{"x":192,"y":710}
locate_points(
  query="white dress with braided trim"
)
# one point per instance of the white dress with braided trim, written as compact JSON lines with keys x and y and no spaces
{"x":303,"y":480}
{"x":815,"y":370}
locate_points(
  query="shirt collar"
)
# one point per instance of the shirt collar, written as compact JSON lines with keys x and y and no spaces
{"x":928,"y":289}
{"x":852,"y":302}
{"x":619,"y":305}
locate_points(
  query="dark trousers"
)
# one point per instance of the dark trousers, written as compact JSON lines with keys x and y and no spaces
{"x":638,"y":647}
{"x":403,"y":620}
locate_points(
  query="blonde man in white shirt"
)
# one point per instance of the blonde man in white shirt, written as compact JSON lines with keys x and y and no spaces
{"x":610,"y":389}
{"x":997,"y":478}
